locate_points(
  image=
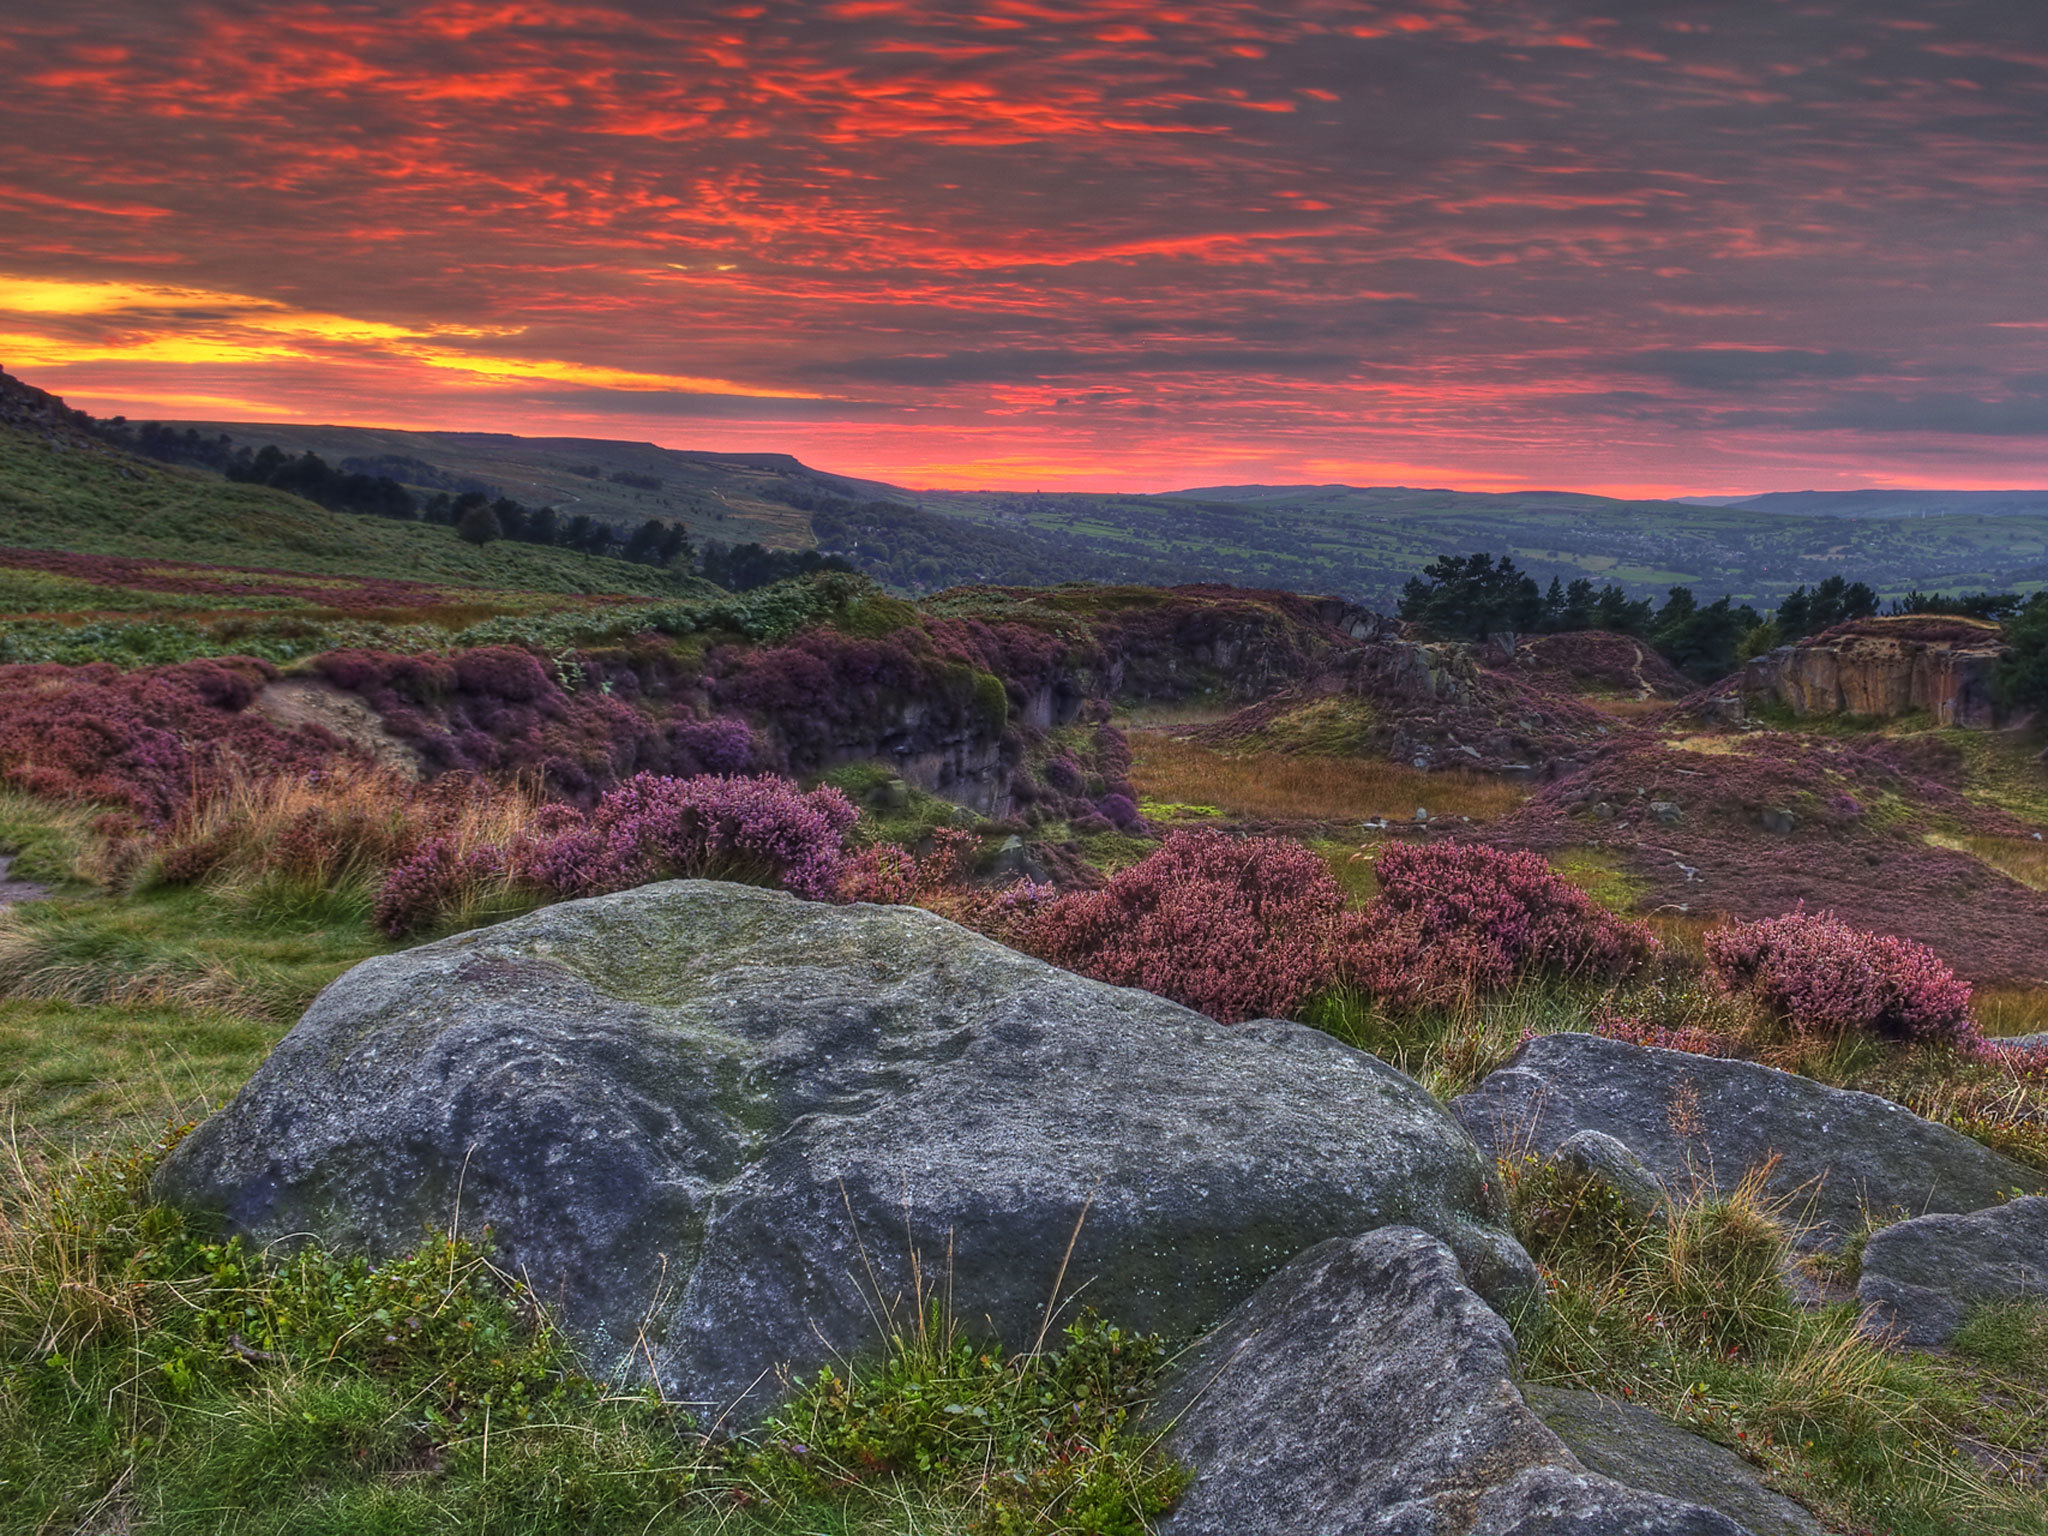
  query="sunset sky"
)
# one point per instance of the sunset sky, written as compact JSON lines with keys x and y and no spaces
{"x":1734,"y":245}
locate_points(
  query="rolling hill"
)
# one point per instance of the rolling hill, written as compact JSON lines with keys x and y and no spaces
{"x":62,"y":489}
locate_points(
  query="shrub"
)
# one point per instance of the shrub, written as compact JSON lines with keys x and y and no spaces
{"x":143,"y":741}
{"x":763,"y":830}
{"x":1821,"y":975}
{"x":1456,"y":920}
{"x":1238,"y":927}
{"x":893,"y":876}
{"x":437,"y":879}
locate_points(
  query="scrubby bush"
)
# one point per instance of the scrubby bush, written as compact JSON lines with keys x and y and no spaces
{"x":1240,"y":928}
{"x":763,"y":830}
{"x":1820,"y":975}
{"x":1457,"y":920}
{"x":893,"y":876}
{"x":145,"y":740}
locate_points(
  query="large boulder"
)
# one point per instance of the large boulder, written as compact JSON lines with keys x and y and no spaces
{"x":1702,"y":1121}
{"x":1365,"y":1389}
{"x":1923,"y":1276}
{"x":716,"y":1124}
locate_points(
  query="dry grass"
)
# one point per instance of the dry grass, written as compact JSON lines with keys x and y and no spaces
{"x":1285,"y":785}
{"x":335,"y":829}
{"x":2011,"y":1010}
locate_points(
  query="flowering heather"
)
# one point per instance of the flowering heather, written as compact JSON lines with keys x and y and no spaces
{"x":762,"y":829}
{"x":1821,"y":975}
{"x":893,"y":876}
{"x":1237,"y":927}
{"x":1455,"y":920}
{"x":144,"y":740}
{"x":431,"y":882}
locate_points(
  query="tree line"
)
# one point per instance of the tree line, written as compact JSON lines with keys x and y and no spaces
{"x":1477,"y":597}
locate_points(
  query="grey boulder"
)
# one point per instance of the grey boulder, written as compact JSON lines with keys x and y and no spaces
{"x":1923,"y":1276}
{"x":1629,"y":1443}
{"x":1598,"y":1158}
{"x":717,"y":1126}
{"x":1366,"y":1391}
{"x":1704,"y":1121}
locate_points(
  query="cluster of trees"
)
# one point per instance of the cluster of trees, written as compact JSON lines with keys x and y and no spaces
{"x":1478,"y":597}
{"x":743,"y":567}
{"x":480,"y":519}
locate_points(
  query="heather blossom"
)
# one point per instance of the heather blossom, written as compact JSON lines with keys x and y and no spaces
{"x":1240,"y":928}
{"x":1454,"y":920}
{"x":1823,"y":976}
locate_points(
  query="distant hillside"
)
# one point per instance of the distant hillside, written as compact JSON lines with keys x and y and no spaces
{"x":61,"y":489}
{"x":1365,"y":542}
{"x":1878,"y":503}
{"x":735,"y":498}
{"x":1361,"y":542}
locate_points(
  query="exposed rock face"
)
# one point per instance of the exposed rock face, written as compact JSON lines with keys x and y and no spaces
{"x":1699,"y":1118}
{"x":1887,"y":667}
{"x":1632,"y":1445}
{"x":719,"y":1118}
{"x":1365,"y":1389}
{"x":1923,"y":1276}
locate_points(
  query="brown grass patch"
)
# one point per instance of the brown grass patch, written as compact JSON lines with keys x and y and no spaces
{"x":1282,"y":784}
{"x":2011,"y":1010}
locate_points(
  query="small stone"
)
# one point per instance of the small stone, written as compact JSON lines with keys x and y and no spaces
{"x":1833,"y":1154}
{"x":1364,"y":1389}
{"x":1421,"y":813}
{"x":1597,"y":1158}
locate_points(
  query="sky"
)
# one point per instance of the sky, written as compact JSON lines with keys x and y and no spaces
{"x":1696,"y":246}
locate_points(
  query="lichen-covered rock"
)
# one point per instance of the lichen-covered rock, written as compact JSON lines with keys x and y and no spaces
{"x":1923,"y":1276}
{"x":1365,"y":1389}
{"x":1700,"y":1120}
{"x":1632,"y":1445}
{"x":712,"y":1122}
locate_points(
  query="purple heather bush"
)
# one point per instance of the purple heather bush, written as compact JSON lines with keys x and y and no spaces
{"x":1458,"y":920}
{"x":1821,"y":975}
{"x":763,"y":830}
{"x":1239,"y":928}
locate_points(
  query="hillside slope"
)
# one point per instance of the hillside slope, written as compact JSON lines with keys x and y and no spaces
{"x":60,"y":489}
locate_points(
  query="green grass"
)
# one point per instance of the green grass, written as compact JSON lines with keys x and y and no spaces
{"x":1688,"y":1313}
{"x":108,"y":503}
{"x":258,"y":957}
{"x":154,"y":1378}
{"x":98,"y":1075}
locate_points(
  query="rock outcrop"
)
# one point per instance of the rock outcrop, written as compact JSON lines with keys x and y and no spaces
{"x":1832,"y":1154}
{"x":1923,"y":1276}
{"x":1883,"y":668}
{"x":1632,"y":1445}
{"x":1365,"y":1389}
{"x":715,"y":1123}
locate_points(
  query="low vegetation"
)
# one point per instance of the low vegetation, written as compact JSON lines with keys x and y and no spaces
{"x":1688,"y":1311}
{"x":157,"y":1377}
